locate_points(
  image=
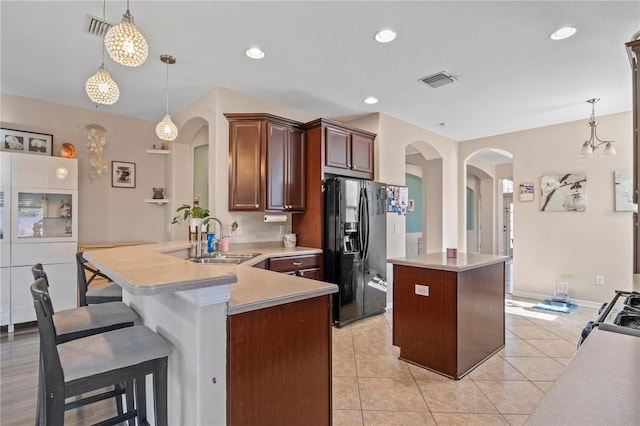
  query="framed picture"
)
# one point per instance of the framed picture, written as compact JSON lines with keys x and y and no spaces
{"x":412,"y":205}
{"x":564,"y":192}
{"x":526,"y":191}
{"x":624,"y":191}
{"x":26,"y":142}
{"x":123,"y":175}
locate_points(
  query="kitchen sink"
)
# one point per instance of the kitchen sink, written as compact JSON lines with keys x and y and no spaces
{"x":224,"y":258}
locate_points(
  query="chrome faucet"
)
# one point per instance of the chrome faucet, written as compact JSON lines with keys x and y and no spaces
{"x":199,"y":238}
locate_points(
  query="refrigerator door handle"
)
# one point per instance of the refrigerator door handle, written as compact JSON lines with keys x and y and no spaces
{"x":361,"y":236}
{"x":365,"y":220}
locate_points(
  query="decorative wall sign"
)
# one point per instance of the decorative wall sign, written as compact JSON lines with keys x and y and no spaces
{"x":26,"y":142}
{"x":526,"y":191}
{"x":624,"y":191}
{"x":123,"y":175}
{"x":563,"y":192}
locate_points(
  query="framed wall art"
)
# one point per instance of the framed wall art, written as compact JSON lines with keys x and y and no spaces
{"x":526,"y":191}
{"x":564,"y":192}
{"x":624,"y":191}
{"x":123,"y":175}
{"x":26,"y":142}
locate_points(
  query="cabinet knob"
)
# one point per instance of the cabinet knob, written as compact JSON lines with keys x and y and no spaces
{"x":353,"y":167}
{"x":257,"y":205}
{"x":300,"y":273}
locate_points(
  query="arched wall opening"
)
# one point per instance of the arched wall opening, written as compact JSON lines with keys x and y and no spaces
{"x":424,"y":166}
{"x":482,"y":202}
{"x":189,"y":172}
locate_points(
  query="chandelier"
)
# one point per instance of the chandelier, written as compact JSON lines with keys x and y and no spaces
{"x":100,"y":87}
{"x":589,"y":147}
{"x":166,"y":129}
{"x":125,"y":44}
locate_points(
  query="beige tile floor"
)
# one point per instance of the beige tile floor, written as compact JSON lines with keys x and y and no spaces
{"x":371,"y":386}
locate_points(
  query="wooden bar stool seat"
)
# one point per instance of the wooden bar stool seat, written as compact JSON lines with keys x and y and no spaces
{"x":97,"y":362}
{"x":107,"y":292}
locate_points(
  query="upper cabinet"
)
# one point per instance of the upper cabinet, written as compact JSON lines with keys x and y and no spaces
{"x":344,"y":150}
{"x":266,"y":163}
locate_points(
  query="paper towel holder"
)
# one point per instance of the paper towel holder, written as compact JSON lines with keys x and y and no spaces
{"x":275,"y":218}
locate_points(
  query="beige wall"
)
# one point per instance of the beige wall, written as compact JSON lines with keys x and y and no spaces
{"x":106,"y":214}
{"x":569,"y":246}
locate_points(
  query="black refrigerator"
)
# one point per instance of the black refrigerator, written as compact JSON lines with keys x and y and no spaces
{"x":355,"y":247}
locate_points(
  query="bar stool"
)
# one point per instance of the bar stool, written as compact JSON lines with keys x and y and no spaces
{"x":99,"y":361}
{"x":109,"y":292}
{"x":71,"y":324}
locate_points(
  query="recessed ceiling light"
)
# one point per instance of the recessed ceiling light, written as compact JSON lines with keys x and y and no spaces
{"x":385,"y":36}
{"x":255,"y":53}
{"x":562,"y":33}
{"x":370,"y":100}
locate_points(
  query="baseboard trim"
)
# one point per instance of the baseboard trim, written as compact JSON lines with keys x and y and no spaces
{"x":539,"y":296}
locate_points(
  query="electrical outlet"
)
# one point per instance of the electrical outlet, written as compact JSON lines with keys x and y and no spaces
{"x":396,"y":229}
{"x":599,"y":280}
{"x":422,"y":290}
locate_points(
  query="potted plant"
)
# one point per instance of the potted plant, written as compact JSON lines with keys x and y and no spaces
{"x":195,"y":214}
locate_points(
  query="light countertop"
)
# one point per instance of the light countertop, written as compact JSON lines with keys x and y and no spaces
{"x":463,"y":261}
{"x":600,"y":386}
{"x":148,"y":270}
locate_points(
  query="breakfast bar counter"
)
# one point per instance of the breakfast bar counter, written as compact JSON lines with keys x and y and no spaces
{"x":448,"y":313}
{"x":219,"y":318}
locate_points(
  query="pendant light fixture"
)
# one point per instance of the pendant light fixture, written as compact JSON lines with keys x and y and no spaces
{"x":589,"y":147}
{"x":125,"y":44}
{"x":166,"y":130}
{"x":100,"y":87}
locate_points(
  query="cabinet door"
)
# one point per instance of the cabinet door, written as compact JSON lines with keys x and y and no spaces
{"x":361,"y":153}
{"x":277,"y":136}
{"x":295,"y":182}
{"x":337,"y":152}
{"x":5,"y":296}
{"x":245,"y":166}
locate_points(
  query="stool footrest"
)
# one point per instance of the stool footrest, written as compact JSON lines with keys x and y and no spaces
{"x":94,"y":398}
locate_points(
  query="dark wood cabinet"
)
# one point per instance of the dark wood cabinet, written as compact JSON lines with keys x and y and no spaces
{"x":456,"y":325}
{"x":332,"y":148}
{"x":246,"y":165}
{"x":279,"y":365}
{"x":266,"y":165}
{"x":345,"y":151}
{"x":307,"y":266}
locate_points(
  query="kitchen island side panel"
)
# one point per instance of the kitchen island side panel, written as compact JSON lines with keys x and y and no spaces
{"x":424,"y":327}
{"x":279,"y":365}
{"x":480,"y":314}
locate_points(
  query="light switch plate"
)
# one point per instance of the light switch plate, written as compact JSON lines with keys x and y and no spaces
{"x":396,"y":229}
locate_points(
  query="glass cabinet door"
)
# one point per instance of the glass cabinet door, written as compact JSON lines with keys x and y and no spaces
{"x":44,"y":215}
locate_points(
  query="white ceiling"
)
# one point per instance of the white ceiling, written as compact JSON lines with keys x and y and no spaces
{"x":321,"y":58}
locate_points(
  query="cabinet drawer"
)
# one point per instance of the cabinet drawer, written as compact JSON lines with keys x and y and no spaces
{"x":295,"y":263}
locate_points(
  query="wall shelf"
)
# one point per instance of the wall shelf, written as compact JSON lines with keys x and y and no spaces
{"x":157,"y":200}
{"x":157,"y":151}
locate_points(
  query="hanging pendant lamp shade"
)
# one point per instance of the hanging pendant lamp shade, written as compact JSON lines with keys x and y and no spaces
{"x":166,"y":129}
{"x":125,"y":44}
{"x":101,"y":88}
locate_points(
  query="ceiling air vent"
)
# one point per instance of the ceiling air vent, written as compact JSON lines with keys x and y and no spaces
{"x":438,"y":79}
{"x":96,"y":26}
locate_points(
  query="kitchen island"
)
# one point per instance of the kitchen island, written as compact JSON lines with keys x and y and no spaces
{"x":219,"y":320}
{"x":448,"y":313}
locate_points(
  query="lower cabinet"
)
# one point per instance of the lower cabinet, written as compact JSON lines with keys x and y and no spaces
{"x":307,"y":266}
{"x":279,"y":365}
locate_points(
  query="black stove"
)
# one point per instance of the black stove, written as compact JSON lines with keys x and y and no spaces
{"x":621,"y":315}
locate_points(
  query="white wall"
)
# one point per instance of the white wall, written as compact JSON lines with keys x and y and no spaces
{"x":570,"y":246}
{"x":107,"y":214}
